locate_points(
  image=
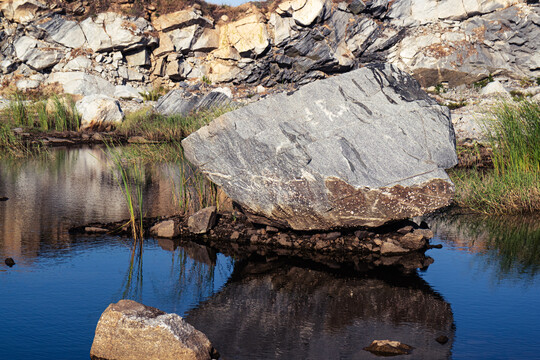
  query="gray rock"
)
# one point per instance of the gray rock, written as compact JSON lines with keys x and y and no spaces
{"x":203,"y":220}
{"x":80,"y":63}
{"x":356,"y":7}
{"x":129,"y":330}
{"x":36,"y":54}
{"x":99,"y":112}
{"x":79,"y":83}
{"x":494,"y":87}
{"x":183,"y":102}
{"x":359,"y":149}
{"x":27,"y":84}
{"x":127,"y":92}
{"x":138,"y":58}
{"x":64,"y":32}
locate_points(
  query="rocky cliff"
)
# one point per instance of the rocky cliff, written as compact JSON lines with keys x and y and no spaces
{"x":286,"y":42}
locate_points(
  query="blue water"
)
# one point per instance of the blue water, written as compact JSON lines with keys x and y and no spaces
{"x":49,"y":309}
{"x":496,"y":317}
{"x":482,"y":291}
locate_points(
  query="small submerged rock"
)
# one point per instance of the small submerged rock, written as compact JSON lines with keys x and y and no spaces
{"x":388,"y":348}
{"x":129,"y":330}
{"x":442,"y":339}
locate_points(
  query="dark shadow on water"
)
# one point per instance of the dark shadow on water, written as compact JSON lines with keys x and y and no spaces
{"x":283,"y":309}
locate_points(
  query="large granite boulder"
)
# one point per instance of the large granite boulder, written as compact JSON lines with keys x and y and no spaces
{"x":359,"y":149}
{"x":129,"y":330}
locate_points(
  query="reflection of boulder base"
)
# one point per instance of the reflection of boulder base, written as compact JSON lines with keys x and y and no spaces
{"x":285,"y":312}
{"x":359,"y":149}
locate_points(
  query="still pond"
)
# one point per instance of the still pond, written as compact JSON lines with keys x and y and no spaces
{"x":482,"y":291}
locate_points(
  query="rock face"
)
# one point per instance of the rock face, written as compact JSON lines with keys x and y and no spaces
{"x":99,"y":112}
{"x":129,"y":330}
{"x":298,"y":41}
{"x":181,"y":102}
{"x":359,"y":149}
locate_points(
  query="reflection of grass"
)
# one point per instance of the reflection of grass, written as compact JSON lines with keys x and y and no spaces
{"x":133,"y":284}
{"x":514,"y":243}
{"x":193,"y":280}
{"x":130,"y":177}
{"x":189,"y":187}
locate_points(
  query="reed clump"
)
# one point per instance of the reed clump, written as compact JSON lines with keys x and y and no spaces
{"x":130,"y":177}
{"x":513,"y":184}
{"x":154,"y":126}
{"x":51,"y":113}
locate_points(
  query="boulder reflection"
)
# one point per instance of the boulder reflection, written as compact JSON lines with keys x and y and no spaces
{"x":284,"y":311}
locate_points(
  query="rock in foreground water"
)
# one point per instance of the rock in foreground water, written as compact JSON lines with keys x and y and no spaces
{"x":388,"y":348}
{"x":359,"y":149}
{"x":129,"y":330}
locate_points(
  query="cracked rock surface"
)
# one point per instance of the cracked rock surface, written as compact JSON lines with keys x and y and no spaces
{"x":360,"y":149}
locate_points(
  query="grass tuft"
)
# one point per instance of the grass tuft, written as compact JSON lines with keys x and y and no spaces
{"x":513,"y":185}
{"x":158,"y":127}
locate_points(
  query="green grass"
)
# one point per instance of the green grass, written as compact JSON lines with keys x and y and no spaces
{"x":53,"y":113}
{"x":483,"y":83}
{"x":513,"y":185}
{"x":490,"y":193}
{"x":514,"y":135}
{"x":158,"y":127}
{"x":10,"y":144}
{"x":189,"y":188}
{"x":131,"y":179}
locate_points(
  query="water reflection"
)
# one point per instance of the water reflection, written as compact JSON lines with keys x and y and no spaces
{"x":512,"y":244}
{"x":281,"y":311}
{"x":49,"y":195}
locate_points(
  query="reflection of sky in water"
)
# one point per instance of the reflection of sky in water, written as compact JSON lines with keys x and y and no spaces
{"x":496,"y":317}
{"x":49,"y":310}
{"x":52,"y":299}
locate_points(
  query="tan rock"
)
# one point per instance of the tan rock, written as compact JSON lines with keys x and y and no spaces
{"x":22,"y":11}
{"x":203,"y":220}
{"x":166,"y":45}
{"x":388,"y":348}
{"x":388,"y":248}
{"x":227,"y":53}
{"x":247,"y":35}
{"x":181,"y":19}
{"x":165,"y":229}
{"x":222,"y":72}
{"x":128,"y":330}
{"x":99,"y":112}
{"x":308,"y":13}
